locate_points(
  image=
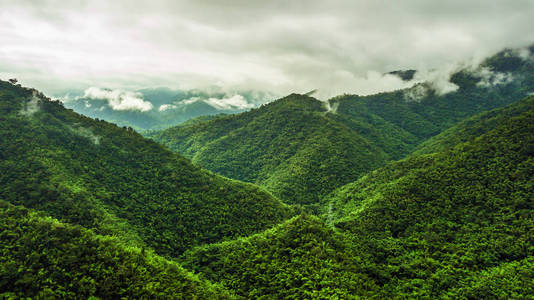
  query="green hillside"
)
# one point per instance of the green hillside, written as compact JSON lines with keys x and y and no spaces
{"x":95,"y":174}
{"x":299,"y":259}
{"x":423,"y":112}
{"x":455,"y":223}
{"x":292,"y":147}
{"x":300,"y":151}
{"x":471,"y":128}
{"x":43,"y":258}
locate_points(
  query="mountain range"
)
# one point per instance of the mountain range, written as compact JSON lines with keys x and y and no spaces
{"x":424,"y":192}
{"x":301,"y":149}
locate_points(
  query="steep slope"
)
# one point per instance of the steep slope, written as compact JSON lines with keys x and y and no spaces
{"x":292,"y":147}
{"x":425,"y":110}
{"x":299,"y":259}
{"x":472,"y":128}
{"x":300,"y":150}
{"x":454,"y":223}
{"x":43,"y":258}
{"x":95,"y":174}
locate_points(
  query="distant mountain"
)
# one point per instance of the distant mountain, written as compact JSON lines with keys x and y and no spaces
{"x":458,"y":222}
{"x":426,"y":109}
{"x":114,"y":181}
{"x":293,"y":147}
{"x":470,"y":129}
{"x":301,"y":149}
{"x":159,"y":108}
{"x":405,"y":75}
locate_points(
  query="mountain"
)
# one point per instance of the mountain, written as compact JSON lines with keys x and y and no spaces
{"x":405,"y":75}
{"x":112,"y":180}
{"x":301,"y":149}
{"x":292,"y":147}
{"x":158,"y":108}
{"x":470,"y":129}
{"x":455,"y":223}
{"x":428,"y":108}
{"x":43,"y":258}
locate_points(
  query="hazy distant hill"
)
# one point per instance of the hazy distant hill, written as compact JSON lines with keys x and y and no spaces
{"x":159,"y":108}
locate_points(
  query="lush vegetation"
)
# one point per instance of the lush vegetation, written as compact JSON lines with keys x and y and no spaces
{"x":299,"y":259}
{"x":95,"y":174}
{"x":470,"y":129}
{"x":455,"y":223}
{"x":301,"y":150}
{"x":92,"y":210}
{"x":43,"y":258}
{"x":292,"y":147}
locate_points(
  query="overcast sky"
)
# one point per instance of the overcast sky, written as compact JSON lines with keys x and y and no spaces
{"x":278,"y":46}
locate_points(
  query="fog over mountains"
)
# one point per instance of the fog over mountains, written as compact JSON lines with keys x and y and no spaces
{"x":275,"y":47}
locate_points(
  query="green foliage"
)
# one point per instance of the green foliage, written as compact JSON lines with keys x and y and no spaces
{"x":300,"y":152}
{"x":292,"y":147}
{"x":455,"y":223}
{"x":430,"y":113}
{"x":45,"y":259}
{"x":299,"y":259}
{"x":116,"y":182}
{"x":470,"y":129}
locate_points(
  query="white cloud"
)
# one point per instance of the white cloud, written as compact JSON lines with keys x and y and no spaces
{"x":189,"y":101}
{"x":275,"y":46}
{"x":118,"y":99}
{"x":233,"y":102}
{"x":438,"y":79}
{"x":489,"y":78}
{"x":32,"y":106}
{"x":165,"y":107}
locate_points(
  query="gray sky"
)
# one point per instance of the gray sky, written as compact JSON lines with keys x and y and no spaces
{"x":278,"y":46}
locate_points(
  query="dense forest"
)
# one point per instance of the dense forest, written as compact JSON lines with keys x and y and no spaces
{"x":455,"y":223}
{"x":406,"y":194}
{"x":111,"y":179}
{"x":300,"y":149}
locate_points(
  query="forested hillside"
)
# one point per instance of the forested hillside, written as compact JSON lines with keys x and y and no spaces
{"x":302,"y":258}
{"x":292,"y":147}
{"x":110,"y":179}
{"x":457,"y":222}
{"x":300,"y":149}
{"x":46,"y":259}
{"x":424,"y":111}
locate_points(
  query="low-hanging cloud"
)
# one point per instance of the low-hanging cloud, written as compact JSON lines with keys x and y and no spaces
{"x":274,"y":46}
{"x":118,"y":99}
{"x":229,"y":103}
{"x":232,"y":102}
{"x":31,"y":106}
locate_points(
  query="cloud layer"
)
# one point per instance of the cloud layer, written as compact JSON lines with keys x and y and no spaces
{"x":118,"y":99}
{"x":276,"y":46}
